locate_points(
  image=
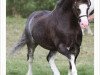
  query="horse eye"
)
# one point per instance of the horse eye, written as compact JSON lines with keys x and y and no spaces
{"x":78,"y":10}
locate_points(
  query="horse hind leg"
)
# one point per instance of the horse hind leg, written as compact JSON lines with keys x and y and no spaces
{"x":31,"y":49}
{"x":50,"y":59}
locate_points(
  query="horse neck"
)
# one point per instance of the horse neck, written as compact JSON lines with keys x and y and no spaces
{"x":60,"y":12}
{"x":67,"y":18}
{"x":64,"y":12}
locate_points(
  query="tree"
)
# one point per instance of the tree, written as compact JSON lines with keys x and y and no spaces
{"x":25,"y":7}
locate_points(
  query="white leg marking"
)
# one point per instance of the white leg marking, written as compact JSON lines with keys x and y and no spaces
{"x":73,"y":71}
{"x":30,"y":66}
{"x":53,"y":66}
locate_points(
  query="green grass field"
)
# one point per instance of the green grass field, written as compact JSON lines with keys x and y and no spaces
{"x":18,"y":65}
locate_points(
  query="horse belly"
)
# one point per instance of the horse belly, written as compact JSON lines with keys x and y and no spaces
{"x":44,"y":42}
{"x":42,"y":37}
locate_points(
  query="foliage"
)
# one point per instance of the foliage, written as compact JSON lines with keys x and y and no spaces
{"x":25,"y":7}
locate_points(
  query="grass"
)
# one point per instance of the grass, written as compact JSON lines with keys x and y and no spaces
{"x":17,"y":65}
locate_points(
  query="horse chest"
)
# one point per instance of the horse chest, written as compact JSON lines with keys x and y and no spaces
{"x":68,"y":36}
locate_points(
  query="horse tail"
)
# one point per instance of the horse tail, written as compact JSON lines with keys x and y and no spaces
{"x":21,"y":43}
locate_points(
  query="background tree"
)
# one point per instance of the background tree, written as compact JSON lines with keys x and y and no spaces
{"x":25,"y":7}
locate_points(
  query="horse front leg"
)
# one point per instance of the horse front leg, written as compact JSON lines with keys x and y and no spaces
{"x":73,"y":70}
{"x":50,"y":59}
{"x":72,"y":62}
{"x":63,"y":50}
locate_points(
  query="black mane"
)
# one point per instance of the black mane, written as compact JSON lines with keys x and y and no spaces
{"x":65,"y":4}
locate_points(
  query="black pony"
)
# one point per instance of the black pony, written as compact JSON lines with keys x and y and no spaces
{"x":58,"y":31}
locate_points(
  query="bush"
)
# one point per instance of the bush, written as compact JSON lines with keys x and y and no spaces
{"x":25,"y":7}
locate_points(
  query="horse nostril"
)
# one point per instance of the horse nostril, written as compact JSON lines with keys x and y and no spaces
{"x":82,"y":24}
{"x":79,"y":20}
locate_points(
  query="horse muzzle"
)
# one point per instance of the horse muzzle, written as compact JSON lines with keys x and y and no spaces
{"x":84,"y":22}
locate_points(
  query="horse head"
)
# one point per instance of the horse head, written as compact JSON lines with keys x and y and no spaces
{"x":80,"y":9}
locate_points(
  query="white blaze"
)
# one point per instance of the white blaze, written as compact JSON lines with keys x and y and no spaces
{"x":84,"y":20}
{"x":83,"y":9}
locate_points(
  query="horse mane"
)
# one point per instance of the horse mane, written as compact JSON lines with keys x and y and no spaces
{"x":64,"y":10}
{"x":65,"y":4}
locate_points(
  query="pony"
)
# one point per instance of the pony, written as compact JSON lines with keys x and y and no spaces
{"x":58,"y":30}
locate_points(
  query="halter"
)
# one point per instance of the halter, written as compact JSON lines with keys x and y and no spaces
{"x":82,"y":16}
